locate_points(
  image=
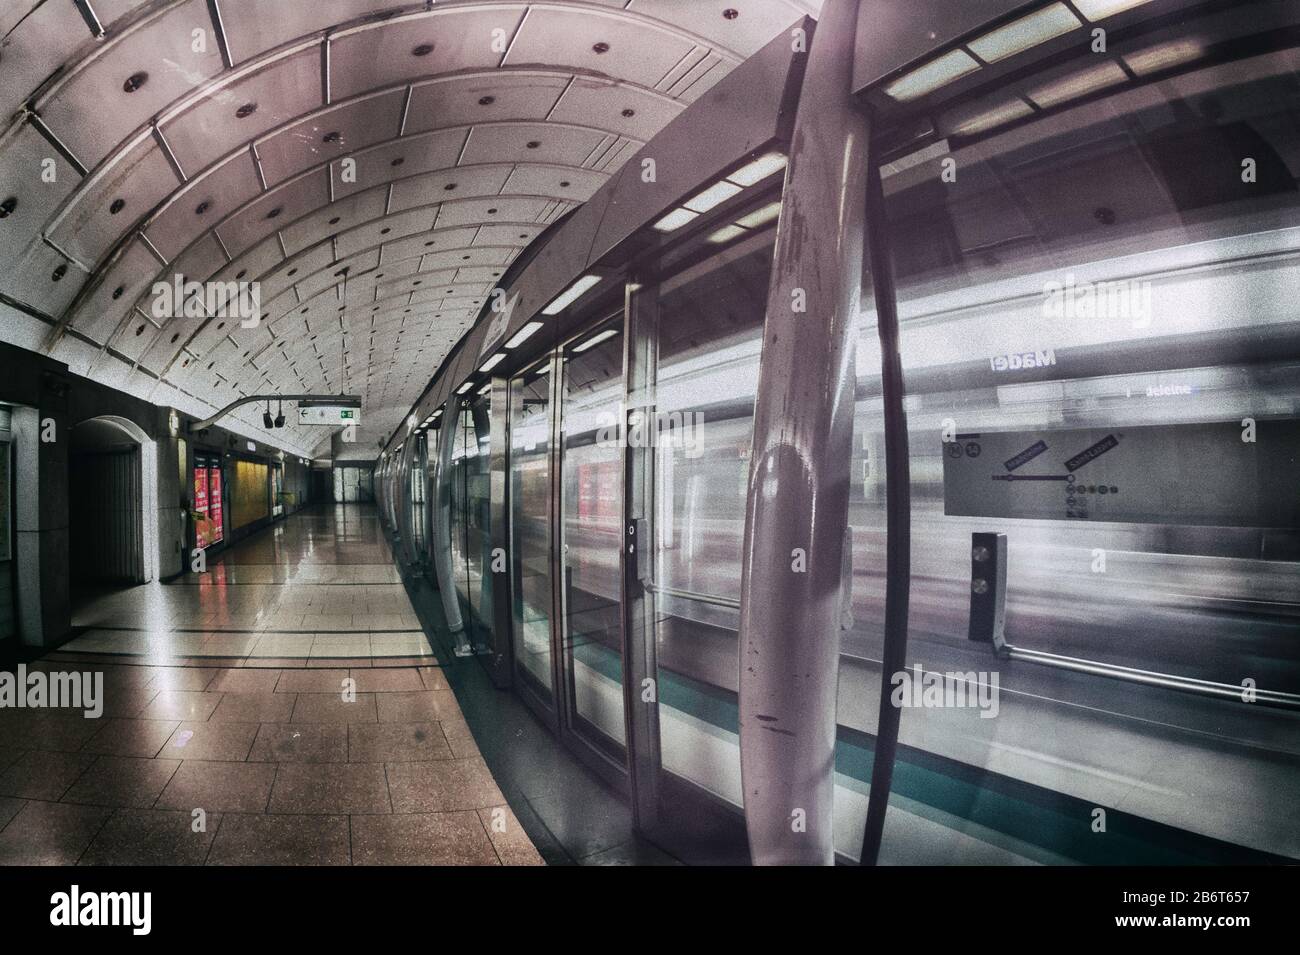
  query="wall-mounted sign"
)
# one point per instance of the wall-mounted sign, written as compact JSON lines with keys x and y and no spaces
{"x":332,"y":415}
{"x":1225,"y":474}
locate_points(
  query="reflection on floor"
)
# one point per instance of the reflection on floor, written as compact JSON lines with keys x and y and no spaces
{"x":282,"y":708}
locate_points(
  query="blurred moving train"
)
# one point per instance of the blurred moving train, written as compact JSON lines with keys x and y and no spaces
{"x":1172,"y":171}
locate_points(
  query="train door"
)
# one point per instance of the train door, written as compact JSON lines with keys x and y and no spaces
{"x":692,"y":380}
{"x":471,"y":516}
{"x":590,"y":392}
{"x":530,"y":519}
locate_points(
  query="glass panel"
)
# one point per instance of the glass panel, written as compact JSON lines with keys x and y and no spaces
{"x":592,"y":515}
{"x":417,"y":494}
{"x":1089,"y":314}
{"x":461,"y":451}
{"x":478,"y":518}
{"x":530,"y":538}
{"x":710,"y":335}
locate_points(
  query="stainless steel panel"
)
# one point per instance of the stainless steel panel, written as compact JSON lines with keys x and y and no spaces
{"x":138,"y":177}
{"x":638,"y":52}
{"x":382,"y":54}
{"x":24,"y":171}
{"x":432,"y":188}
{"x":459,"y":100}
{"x":201,"y":203}
{"x":332,"y":133}
{"x":275,"y":209}
{"x":92,"y":111}
{"x":320,"y":225}
{"x":120,"y":286}
{"x":206,"y":126}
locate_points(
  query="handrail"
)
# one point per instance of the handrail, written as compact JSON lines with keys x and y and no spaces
{"x":728,"y":602}
{"x":1169,"y":681}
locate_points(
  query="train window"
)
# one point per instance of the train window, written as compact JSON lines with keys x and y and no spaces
{"x":591,"y":502}
{"x":1121,"y":265}
{"x":530,"y":528}
{"x":710,"y":327}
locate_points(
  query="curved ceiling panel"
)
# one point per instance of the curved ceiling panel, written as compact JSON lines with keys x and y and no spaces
{"x":375,"y":167}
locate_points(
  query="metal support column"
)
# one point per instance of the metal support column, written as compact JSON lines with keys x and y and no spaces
{"x":497,"y":563}
{"x":797,"y":505}
{"x":898,"y":514}
{"x":640,"y":666}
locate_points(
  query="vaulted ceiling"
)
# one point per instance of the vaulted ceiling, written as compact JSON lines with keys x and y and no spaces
{"x":375,"y":167}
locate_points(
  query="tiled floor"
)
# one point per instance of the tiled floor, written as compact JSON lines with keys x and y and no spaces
{"x":284,"y":708}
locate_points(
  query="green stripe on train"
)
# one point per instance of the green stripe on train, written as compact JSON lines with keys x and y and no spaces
{"x":1056,"y":822}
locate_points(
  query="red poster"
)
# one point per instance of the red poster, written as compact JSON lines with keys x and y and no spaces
{"x":214,"y":506}
{"x":201,"y":522}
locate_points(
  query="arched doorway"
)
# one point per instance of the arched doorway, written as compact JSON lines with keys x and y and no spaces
{"x":112,"y":503}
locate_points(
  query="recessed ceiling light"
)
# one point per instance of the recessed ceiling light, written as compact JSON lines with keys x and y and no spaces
{"x":760,"y":216}
{"x":1165,"y":56}
{"x":931,"y":76}
{"x":521,"y":336}
{"x":571,"y":294}
{"x":726,"y":234}
{"x":1079,"y":84}
{"x":759,"y":169}
{"x":970,"y":122}
{"x":135,"y":81}
{"x":712,"y":197}
{"x":1101,"y":9}
{"x":1025,"y":33}
{"x":245,"y":111}
{"x":595,"y":340}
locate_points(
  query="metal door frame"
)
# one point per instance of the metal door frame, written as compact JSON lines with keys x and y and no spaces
{"x":547,"y":712}
{"x":603,"y":763}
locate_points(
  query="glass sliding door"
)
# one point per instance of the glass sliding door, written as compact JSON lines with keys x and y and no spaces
{"x":590,"y":526}
{"x":707,"y":337}
{"x":530,"y":530}
{"x":471,"y":516}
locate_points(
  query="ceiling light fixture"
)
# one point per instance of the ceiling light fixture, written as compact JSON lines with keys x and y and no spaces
{"x":1165,"y":56}
{"x":1096,"y":10}
{"x":758,"y":170}
{"x":712,"y":197}
{"x":932,"y":76}
{"x":492,"y":362}
{"x":1026,"y":33}
{"x":1078,"y":85}
{"x":675,"y":220}
{"x":521,"y":336}
{"x":595,"y":340}
{"x":571,"y":294}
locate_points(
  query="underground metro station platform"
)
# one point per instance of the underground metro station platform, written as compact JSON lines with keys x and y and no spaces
{"x":658,"y":433}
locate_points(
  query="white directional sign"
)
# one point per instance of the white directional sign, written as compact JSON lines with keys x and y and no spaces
{"x":329,"y":415}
